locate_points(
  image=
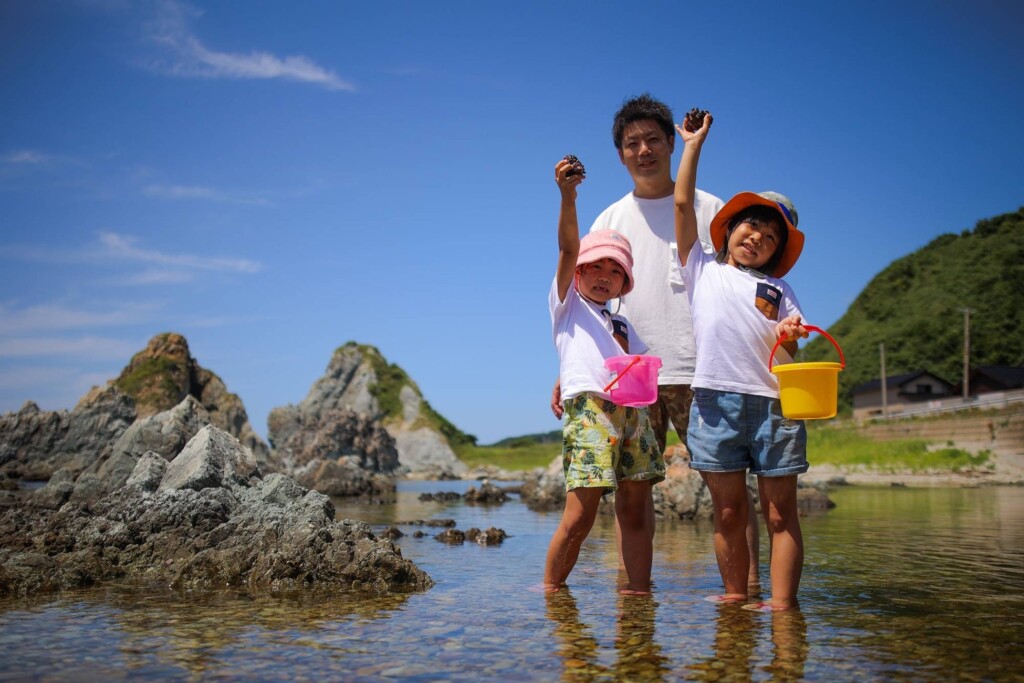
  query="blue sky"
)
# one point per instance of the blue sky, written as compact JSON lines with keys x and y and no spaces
{"x":274,"y":179}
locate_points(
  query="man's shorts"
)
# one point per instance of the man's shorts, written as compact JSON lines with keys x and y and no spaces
{"x":673,"y":405}
{"x":730,"y":432}
{"x":604,"y":443}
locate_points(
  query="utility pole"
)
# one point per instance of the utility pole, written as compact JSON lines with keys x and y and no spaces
{"x":885,"y":382}
{"x":967,"y":350}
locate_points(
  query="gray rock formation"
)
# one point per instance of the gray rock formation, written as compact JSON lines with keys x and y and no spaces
{"x":359,"y":380}
{"x":34,"y":443}
{"x":422,"y":450}
{"x":164,"y":373}
{"x":337,"y":451}
{"x":206,"y":519}
{"x":164,"y":434}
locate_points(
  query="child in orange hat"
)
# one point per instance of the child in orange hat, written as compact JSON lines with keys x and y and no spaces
{"x":741,"y":306}
{"x":605,"y":446}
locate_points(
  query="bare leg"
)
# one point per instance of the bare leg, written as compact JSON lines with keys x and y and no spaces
{"x":753,"y":546}
{"x":577,"y":520}
{"x":650,"y":521}
{"x":778,"y":505}
{"x":632,"y":510}
{"x":729,"y":497}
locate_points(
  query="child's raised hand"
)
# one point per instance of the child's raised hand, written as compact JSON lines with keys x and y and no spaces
{"x":790,"y":329}
{"x":688,"y":133}
{"x":567,"y":182}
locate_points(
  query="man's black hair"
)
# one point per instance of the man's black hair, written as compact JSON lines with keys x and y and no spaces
{"x":642,"y":107}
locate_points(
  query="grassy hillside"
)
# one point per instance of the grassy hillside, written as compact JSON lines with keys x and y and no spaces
{"x":915,"y":306}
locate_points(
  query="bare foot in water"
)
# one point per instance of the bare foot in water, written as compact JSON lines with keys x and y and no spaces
{"x":727,"y":598}
{"x":631,"y":591}
{"x":767,"y":606}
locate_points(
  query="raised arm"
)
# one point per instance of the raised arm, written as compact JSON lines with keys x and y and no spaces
{"x":568,"y":226}
{"x":686,"y":186}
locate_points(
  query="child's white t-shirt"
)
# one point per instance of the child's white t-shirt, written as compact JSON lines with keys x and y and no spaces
{"x":734,"y":318}
{"x":582,"y":331}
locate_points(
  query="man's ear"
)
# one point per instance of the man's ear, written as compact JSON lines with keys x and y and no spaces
{"x":621,"y":158}
{"x":671,"y":144}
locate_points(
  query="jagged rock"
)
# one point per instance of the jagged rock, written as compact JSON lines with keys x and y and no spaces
{"x":492,"y":536}
{"x":359,"y":380}
{"x":211,"y":459}
{"x":451,"y":536}
{"x":338,"y":452}
{"x":88,"y":487}
{"x":268,"y":533}
{"x":148,"y":472}
{"x":345,"y":478}
{"x":487,"y":494}
{"x":163,"y":374}
{"x":440,"y":496}
{"x":34,"y":443}
{"x":423,"y":451}
{"x":164,"y":434}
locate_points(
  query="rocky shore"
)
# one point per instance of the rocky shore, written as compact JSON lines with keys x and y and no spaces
{"x":207,"y":518}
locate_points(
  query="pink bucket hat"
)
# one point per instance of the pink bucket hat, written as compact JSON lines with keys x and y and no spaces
{"x":608,"y":244}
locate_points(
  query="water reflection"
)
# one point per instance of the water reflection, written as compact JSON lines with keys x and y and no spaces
{"x":638,"y":655}
{"x":899,"y":584}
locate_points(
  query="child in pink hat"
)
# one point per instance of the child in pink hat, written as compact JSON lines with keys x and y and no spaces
{"x":605,"y":446}
{"x":740,"y":307}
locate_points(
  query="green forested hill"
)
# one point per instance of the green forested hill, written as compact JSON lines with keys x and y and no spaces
{"x":915,"y":307}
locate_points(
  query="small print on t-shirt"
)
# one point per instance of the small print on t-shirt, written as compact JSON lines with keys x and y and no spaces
{"x":767,"y":300}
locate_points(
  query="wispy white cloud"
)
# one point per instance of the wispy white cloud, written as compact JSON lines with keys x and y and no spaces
{"x":158,"y":276}
{"x":188,"y":57}
{"x":26,"y":157}
{"x":113,"y":246}
{"x":51,"y":317}
{"x":175,"y":192}
{"x":87,"y":347}
{"x":124,"y":247}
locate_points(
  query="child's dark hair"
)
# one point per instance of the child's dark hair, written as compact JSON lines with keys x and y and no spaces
{"x":642,"y":107}
{"x":758,"y":216}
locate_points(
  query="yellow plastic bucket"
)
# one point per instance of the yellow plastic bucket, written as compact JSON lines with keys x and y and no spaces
{"x":808,"y":391}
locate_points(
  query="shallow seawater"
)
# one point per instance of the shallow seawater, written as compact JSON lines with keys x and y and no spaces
{"x":899,"y":584}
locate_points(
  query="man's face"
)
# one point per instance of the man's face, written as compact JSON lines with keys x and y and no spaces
{"x":645,"y":151}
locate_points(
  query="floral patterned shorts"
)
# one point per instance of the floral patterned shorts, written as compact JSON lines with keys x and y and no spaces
{"x":604,"y":443}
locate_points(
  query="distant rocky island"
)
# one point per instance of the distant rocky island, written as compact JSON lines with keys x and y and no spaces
{"x":159,"y":476}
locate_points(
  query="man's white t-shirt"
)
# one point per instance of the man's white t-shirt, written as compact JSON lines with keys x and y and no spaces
{"x":582,"y":331}
{"x":657,"y":308}
{"x":734,"y":319}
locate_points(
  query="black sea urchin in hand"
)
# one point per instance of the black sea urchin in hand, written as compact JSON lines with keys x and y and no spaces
{"x":577,"y":166}
{"x":695,"y":119}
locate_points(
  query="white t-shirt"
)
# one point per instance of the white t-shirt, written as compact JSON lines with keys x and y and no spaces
{"x":734,"y":318}
{"x":582,"y":332}
{"x":657,"y":308}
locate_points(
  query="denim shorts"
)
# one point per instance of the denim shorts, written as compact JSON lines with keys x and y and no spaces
{"x":730,"y":432}
{"x":604,"y":444}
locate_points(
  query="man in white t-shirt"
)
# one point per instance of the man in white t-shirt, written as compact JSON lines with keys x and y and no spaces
{"x":643,"y":131}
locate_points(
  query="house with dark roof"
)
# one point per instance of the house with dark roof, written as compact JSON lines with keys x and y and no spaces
{"x":989,"y":378}
{"x":902,"y":391}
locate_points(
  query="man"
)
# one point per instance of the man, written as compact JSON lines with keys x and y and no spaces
{"x":643,"y":131}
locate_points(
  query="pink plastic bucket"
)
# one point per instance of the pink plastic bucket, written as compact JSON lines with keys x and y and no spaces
{"x":636,"y":380}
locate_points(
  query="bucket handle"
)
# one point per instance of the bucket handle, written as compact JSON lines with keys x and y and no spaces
{"x":619,"y":375}
{"x":810,"y":328}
